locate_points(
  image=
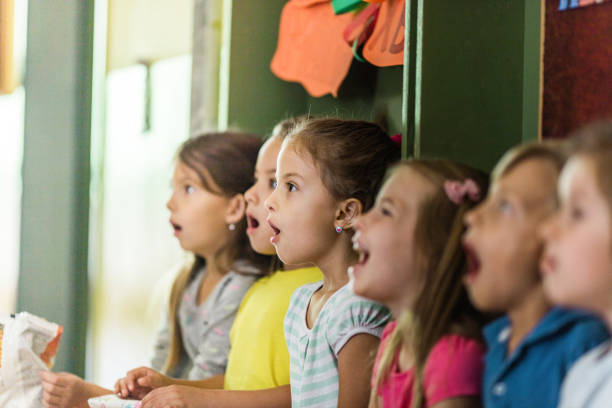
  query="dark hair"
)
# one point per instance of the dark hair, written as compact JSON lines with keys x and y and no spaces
{"x":352,"y":156}
{"x":228,"y":158}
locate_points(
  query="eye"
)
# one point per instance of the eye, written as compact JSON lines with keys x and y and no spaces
{"x":189,"y":189}
{"x":385,"y":211}
{"x":291,"y":187}
{"x":272,"y":183}
{"x":576,"y":213}
{"x":504,"y":206}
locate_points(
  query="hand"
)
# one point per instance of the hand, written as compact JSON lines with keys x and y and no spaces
{"x":139,"y":382}
{"x":63,"y":390}
{"x":175,"y":396}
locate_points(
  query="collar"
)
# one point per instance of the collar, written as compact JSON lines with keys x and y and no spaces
{"x":556,"y":319}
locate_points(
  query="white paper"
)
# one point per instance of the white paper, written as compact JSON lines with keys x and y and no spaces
{"x":112,"y":401}
{"x":25,"y":337}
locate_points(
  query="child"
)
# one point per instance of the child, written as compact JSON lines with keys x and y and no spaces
{"x":411,"y":259}
{"x":207,"y":215}
{"x":532,"y":347}
{"x":577,"y":265}
{"x":328,"y":173}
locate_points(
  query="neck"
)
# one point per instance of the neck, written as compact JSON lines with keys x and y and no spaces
{"x":397,"y":307}
{"x":526,"y":315}
{"x":335,"y":262}
{"x":213,"y":266}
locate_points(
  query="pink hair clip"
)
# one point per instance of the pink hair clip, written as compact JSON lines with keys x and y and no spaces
{"x":457,"y":190}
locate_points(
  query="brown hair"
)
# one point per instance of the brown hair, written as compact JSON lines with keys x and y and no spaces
{"x":228,"y":158}
{"x":595,"y":142}
{"x":352,"y":156}
{"x":443,"y":306}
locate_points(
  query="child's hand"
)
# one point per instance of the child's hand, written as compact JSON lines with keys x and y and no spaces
{"x":139,"y":382}
{"x":175,"y":396}
{"x":63,"y":390}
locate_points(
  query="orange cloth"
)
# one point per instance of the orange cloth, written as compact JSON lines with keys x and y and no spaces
{"x":311,"y":49}
{"x":385,"y":47}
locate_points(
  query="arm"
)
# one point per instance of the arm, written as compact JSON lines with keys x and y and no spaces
{"x":355,"y":361}
{"x":140,"y":381}
{"x":189,"y":397}
{"x":67,"y":390}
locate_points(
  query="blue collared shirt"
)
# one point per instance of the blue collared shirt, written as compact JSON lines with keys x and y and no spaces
{"x":532,"y":375}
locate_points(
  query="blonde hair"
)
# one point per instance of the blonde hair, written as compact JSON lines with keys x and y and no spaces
{"x":229,"y":159}
{"x":595,"y":142}
{"x":443,"y":306}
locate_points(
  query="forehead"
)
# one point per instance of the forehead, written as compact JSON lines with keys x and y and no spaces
{"x":531,"y":181}
{"x":407,"y":185}
{"x":269,"y":152}
{"x":578,"y":175}
{"x":292,"y":159}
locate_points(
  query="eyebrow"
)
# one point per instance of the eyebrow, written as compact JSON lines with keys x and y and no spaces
{"x":289,"y":175}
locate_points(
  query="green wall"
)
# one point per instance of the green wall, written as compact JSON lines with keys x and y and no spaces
{"x":55,"y":201}
{"x":469,"y":92}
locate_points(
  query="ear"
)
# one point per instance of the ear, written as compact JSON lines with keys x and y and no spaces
{"x":347,"y":213}
{"x":235,"y":209}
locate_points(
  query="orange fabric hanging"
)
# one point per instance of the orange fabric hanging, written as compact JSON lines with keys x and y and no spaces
{"x":311,"y":49}
{"x":385,"y":47}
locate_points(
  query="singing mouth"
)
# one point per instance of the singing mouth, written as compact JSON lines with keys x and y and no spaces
{"x":252,"y":222}
{"x":276,"y":232}
{"x":473,"y":262}
{"x":176,"y":227}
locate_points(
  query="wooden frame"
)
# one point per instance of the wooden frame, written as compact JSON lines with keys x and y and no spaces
{"x":7,"y":31}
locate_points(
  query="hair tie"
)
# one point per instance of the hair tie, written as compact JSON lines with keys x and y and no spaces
{"x":457,"y":190}
{"x":397,"y":139}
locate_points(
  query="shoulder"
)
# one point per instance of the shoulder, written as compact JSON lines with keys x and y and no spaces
{"x":348,"y":315}
{"x":345,"y":305}
{"x":454,"y":368}
{"x":454,"y":347}
{"x":579,"y":331}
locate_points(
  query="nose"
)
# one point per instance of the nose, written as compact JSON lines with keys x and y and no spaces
{"x":548,"y":228}
{"x":170,"y":203}
{"x":362,"y":221}
{"x":251,"y":196}
{"x":270,"y":202}
{"x":472,"y":216}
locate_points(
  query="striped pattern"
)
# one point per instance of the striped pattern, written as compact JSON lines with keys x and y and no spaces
{"x":314,"y":352}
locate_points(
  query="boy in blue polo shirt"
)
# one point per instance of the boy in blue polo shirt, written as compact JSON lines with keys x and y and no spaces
{"x":532,"y":347}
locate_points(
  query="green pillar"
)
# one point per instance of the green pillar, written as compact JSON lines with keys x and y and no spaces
{"x":56,"y":171}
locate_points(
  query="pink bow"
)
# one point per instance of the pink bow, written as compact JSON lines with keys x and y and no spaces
{"x":456,"y":190}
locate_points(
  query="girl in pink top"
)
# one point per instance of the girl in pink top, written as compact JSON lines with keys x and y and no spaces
{"x":411,"y":259}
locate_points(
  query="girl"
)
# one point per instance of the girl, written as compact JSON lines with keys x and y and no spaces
{"x":410,"y":259}
{"x":532,"y":347}
{"x":258,"y":357}
{"x":327,"y":174}
{"x":207,"y":215}
{"x":577,"y":264}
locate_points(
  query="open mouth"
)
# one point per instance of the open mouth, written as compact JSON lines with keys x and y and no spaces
{"x":276,"y":231}
{"x":473,"y":263}
{"x":363,"y":253}
{"x":252,"y":223}
{"x":177,"y":228}
{"x":548,"y":264}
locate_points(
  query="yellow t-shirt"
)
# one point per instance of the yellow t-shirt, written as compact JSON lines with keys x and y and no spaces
{"x":258,"y":357}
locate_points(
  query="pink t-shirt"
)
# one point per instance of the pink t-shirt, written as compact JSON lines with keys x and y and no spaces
{"x":454,"y":368}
